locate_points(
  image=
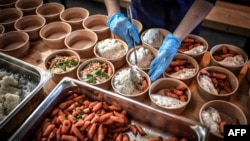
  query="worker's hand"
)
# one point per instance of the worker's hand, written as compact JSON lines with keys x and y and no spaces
{"x":164,"y":56}
{"x":122,"y":27}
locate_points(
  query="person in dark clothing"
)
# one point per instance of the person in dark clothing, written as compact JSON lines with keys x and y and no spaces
{"x":168,"y":14}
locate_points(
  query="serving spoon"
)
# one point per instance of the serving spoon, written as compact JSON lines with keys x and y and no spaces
{"x":134,"y":71}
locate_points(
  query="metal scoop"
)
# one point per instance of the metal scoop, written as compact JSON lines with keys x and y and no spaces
{"x":135,"y":73}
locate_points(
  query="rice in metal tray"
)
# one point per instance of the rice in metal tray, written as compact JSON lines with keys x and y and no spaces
{"x":19,"y":83}
{"x":152,"y":122}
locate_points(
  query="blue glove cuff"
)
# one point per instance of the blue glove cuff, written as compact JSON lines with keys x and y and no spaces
{"x":114,"y":17}
{"x":170,"y":39}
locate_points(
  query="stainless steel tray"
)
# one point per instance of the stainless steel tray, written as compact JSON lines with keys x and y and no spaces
{"x":155,"y":122}
{"x":28,"y":103}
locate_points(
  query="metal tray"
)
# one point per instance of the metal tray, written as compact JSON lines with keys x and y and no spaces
{"x":29,"y":102}
{"x":154,"y":122}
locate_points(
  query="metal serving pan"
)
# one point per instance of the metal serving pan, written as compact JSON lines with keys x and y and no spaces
{"x":29,"y":102}
{"x":155,"y":122}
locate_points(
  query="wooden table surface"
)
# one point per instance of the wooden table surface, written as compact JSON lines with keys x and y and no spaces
{"x":39,"y":51}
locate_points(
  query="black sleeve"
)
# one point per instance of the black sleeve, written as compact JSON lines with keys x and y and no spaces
{"x":212,"y":1}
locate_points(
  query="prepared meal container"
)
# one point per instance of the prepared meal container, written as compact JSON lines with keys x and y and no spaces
{"x":144,"y":54}
{"x":228,"y":56}
{"x":183,"y":67}
{"x":216,"y":82}
{"x":194,"y":45}
{"x":215,"y":114}
{"x":170,"y":94}
{"x":114,"y":50}
{"x":150,"y":122}
{"x":124,"y":83}
{"x":62,"y":63}
{"x":153,"y":37}
{"x":20,"y":85}
{"x":96,"y":71}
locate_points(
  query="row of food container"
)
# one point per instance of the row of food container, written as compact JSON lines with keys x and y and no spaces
{"x":109,"y":69}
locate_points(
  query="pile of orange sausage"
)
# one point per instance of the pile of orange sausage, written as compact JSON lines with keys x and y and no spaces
{"x":224,"y":53}
{"x":178,"y":92}
{"x":219,"y":80}
{"x":178,"y":64}
{"x":79,"y":119}
{"x":224,"y":122}
{"x":189,"y":43}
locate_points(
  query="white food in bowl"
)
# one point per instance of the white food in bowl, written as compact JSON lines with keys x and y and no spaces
{"x":184,"y":73}
{"x":237,"y":60}
{"x":123,"y":83}
{"x":153,"y":37}
{"x":144,"y":57}
{"x":207,"y":84}
{"x":211,"y":119}
{"x":110,"y":48}
{"x":165,"y":101}
{"x":196,"y":50}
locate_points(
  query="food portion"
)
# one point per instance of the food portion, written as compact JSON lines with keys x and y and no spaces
{"x":13,"y":89}
{"x":213,"y":120}
{"x":181,"y":69}
{"x":62,"y":63}
{"x":228,"y":57}
{"x":110,"y":48}
{"x":153,"y":37}
{"x":96,"y":72}
{"x":191,"y":46}
{"x":77,"y":118}
{"x":171,"y":97}
{"x":122,"y":82}
{"x":215,"y":82}
{"x":144,"y":57}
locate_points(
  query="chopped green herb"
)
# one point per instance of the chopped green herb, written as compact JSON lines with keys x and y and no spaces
{"x":73,"y":62}
{"x":90,"y":78}
{"x":64,"y":63}
{"x":101,"y":73}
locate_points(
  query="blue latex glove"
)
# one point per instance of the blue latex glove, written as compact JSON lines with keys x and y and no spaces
{"x":164,"y":57}
{"x":122,"y":27}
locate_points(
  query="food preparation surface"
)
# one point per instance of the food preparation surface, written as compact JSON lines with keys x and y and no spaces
{"x":39,"y":52}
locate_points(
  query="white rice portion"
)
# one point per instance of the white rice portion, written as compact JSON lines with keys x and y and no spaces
{"x":153,"y":37}
{"x":13,"y":88}
{"x":166,"y":102}
{"x":144,"y":57}
{"x":110,"y":49}
{"x":196,"y":50}
{"x":237,"y":60}
{"x":123,"y":83}
{"x":207,"y":84}
{"x":9,"y":102}
{"x":184,"y":73}
{"x":211,"y":119}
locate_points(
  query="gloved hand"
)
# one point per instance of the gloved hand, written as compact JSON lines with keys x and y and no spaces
{"x":122,"y":27}
{"x":165,"y":55}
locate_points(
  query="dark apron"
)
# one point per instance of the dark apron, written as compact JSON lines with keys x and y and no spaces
{"x":161,"y":13}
